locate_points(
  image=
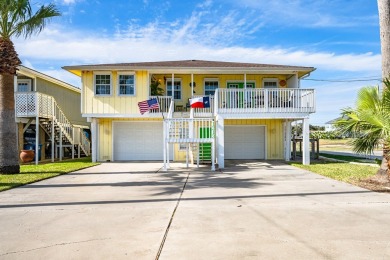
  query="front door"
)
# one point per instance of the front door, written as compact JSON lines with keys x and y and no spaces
{"x":238,"y":99}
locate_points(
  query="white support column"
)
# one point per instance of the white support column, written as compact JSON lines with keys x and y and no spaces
{"x":192,"y":84}
{"x":61,"y":152}
{"x":173,"y":89}
{"x":94,"y":126}
{"x":53,"y":134}
{"x":187,"y":152}
{"x":72,"y":143}
{"x":164,"y":146}
{"x":37,"y":135}
{"x":220,"y":143}
{"x":305,"y":142}
{"x":167,"y":151}
{"x":213,"y":156}
{"x":288,"y":141}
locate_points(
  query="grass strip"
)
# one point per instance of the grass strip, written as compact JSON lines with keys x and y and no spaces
{"x":339,"y":171}
{"x":34,"y":173}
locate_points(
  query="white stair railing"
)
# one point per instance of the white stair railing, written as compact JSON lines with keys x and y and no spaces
{"x":35,"y":104}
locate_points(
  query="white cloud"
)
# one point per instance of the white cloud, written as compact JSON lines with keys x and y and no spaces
{"x":303,"y":13}
{"x":68,"y":2}
{"x":145,"y":45}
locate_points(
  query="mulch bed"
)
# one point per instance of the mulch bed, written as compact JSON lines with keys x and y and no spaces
{"x":375,"y":183}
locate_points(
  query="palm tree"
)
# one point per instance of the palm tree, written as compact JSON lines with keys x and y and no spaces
{"x":16,"y":19}
{"x":384,"y":25}
{"x":370,"y":122}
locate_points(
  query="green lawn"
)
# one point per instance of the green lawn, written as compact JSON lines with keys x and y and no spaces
{"x":339,"y":171}
{"x":33,"y":173}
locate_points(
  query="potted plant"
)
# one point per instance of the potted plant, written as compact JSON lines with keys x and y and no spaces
{"x":155,"y":90}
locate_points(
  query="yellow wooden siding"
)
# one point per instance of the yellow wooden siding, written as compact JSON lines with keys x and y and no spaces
{"x":68,"y":100}
{"x":179,"y":155}
{"x":114,"y":103}
{"x":274,"y":134}
{"x":105,"y":136}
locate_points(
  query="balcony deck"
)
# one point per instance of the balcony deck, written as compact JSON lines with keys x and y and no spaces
{"x":272,"y":101}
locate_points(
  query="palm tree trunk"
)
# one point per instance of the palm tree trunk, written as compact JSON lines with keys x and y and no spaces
{"x":384,"y":26}
{"x":9,"y":161}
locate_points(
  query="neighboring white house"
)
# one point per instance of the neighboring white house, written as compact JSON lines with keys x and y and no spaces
{"x":53,"y":105}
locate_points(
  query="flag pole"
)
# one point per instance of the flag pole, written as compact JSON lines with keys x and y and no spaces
{"x":162,"y":113}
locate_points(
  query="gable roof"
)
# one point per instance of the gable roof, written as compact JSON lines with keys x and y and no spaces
{"x":193,"y":65}
{"x":25,"y":71}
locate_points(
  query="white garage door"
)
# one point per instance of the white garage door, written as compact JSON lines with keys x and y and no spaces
{"x":138,"y":141}
{"x":245,"y":142}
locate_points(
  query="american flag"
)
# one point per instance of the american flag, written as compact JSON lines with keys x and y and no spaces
{"x":145,"y":106}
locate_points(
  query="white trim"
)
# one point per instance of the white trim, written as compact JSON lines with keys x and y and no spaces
{"x":94,"y":83}
{"x":118,"y":85}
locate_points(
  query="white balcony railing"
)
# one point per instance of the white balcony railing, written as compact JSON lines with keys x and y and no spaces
{"x":164,"y":103}
{"x":205,"y":112}
{"x":200,"y":130}
{"x":264,"y":101}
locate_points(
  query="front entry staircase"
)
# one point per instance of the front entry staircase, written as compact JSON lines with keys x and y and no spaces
{"x":46,"y":111}
{"x":198,"y":132}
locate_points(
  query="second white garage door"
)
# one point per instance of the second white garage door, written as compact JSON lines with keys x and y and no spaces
{"x":138,"y":141}
{"x":245,"y":142}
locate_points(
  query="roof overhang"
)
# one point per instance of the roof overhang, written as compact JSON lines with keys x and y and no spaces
{"x":200,"y":67}
{"x":22,"y":70}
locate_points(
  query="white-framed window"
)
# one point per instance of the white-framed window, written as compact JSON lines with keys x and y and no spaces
{"x":126,"y":84}
{"x":103,"y":83}
{"x":270,"y":83}
{"x":176,"y":88}
{"x":210,"y":85}
{"x":24,"y":85}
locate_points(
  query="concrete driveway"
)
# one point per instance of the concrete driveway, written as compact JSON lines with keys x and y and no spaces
{"x":251,"y":210}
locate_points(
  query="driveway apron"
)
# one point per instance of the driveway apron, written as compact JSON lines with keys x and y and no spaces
{"x":250,"y":210}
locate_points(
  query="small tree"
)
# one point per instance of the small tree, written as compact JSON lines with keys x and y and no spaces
{"x":369,"y":121}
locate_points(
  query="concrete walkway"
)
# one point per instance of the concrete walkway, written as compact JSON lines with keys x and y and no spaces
{"x":251,"y":210}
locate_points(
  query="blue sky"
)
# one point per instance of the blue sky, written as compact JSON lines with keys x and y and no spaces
{"x":338,"y":37}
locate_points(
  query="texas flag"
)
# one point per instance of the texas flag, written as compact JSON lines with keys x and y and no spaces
{"x":200,"y":102}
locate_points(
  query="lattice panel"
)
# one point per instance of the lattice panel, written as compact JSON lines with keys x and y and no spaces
{"x":25,"y":104}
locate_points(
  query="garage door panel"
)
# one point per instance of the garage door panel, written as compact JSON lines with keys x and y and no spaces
{"x":138,"y":141}
{"x":244,"y":142}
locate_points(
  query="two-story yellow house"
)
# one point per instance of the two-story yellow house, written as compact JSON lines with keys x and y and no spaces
{"x":252,"y":108}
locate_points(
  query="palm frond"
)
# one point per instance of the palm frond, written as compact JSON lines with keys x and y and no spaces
{"x":35,"y":24}
{"x":17,"y":18}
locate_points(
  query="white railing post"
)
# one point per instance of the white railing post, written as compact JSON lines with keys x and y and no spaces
{"x":53,"y":134}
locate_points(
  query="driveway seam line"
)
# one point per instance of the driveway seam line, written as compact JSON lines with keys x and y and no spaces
{"x":171,"y":219}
